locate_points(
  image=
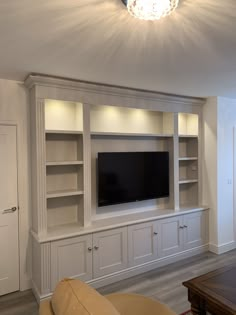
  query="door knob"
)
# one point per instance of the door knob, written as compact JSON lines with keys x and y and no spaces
{"x":13,"y":209}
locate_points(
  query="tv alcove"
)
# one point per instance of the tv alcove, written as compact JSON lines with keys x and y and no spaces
{"x":71,"y":122}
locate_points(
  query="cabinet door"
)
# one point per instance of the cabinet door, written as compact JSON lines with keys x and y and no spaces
{"x":71,"y":258}
{"x":170,"y":236}
{"x":195,"y":229}
{"x":109,"y":251}
{"x":142,"y":243}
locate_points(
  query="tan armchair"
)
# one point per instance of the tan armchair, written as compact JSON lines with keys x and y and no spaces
{"x":73,"y":297}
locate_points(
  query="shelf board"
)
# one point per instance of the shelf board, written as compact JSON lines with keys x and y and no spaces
{"x":64,"y":193}
{"x":55,"y":163}
{"x":72,"y":132}
{"x":194,"y":158}
{"x":130,"y":134}
{"x":188,"y":136}
{"x":188,"y":181}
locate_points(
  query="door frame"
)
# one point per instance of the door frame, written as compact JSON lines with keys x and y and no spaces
{"x":14,"y":124}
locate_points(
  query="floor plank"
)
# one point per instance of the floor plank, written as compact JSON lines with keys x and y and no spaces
{"x":163,"y":284}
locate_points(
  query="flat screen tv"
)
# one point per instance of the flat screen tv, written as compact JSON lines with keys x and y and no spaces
{"x":132,"y":176}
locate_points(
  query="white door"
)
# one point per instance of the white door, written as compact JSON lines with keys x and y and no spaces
{"x":142,"y":243}
{"x":109,"y":251}
{"x":9,"y":254}
{"x":71,"y":258}
{"x":170,"y":236}
{"x":195,"y":232}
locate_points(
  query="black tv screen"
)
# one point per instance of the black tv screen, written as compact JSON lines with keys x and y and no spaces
{"x":132,"y":176}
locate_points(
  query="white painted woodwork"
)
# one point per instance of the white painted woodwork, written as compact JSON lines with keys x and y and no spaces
{"x":130,"y":134}
{"x":60,"y":163}
{"x":62,"y":147}
{"x":188,"y":193}
{"x":63,"y":131}
{"x":188,"y":147}
{"x":66,"y":137}
{"x":71,"y":258}
{"x":188,"y":169}
{"x":63,"y":115}
{"x":38,"y":188}
{"x":175,"y":179}
{"x":188,"y":124}
{"x":87,"y":215}
{"x":170,"y":236}
{"x":64,"y":178}
{"x":65,"y":210}
{"x":9,"y":243}
{"x":142,"y":243}
{"x":130,"y":120}
{"x":64,"y":193}
{"x":195,"y":229}
{"x":109,"y":251}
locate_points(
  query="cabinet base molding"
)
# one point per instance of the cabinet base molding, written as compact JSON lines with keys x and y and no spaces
{"x":39,"y":297}
{"x":220,"y":249}
{"x":133,"y":271}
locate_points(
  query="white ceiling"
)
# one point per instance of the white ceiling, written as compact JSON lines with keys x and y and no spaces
{"x":191,"y":52}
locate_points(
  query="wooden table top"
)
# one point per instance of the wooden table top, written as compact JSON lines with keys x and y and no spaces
{"x":218,"y":286}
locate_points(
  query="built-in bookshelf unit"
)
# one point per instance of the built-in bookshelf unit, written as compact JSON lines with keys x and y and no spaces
{"x":188,"y":138}
{"x":71,"y":122}
{"x":75,"y":125}
{"x":64,"y":163}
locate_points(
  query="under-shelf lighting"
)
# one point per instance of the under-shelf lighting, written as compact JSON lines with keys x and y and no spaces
{"x":150,"y":9}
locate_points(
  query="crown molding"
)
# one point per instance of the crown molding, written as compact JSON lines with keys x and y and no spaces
{"x":35,"y":79}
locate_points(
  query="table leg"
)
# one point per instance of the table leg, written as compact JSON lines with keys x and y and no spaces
{"x":196,"y":310}
{"x":197,"y":304}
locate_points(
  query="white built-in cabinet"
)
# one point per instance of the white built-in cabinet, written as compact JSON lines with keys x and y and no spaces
{"x":71,"y":257}
{"x":182,"y":232}
{"x":109,"y":251}
{"x":105,"y":253}
{"x":71,"y":122}
{"x":89,"y":256}
{"x":143,"y":243}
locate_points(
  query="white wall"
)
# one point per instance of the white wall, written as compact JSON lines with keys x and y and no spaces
{"x":14,"y":108}
{"x":226,"y":123}
{"x":219,"y":121}
{"x":209,"y":156}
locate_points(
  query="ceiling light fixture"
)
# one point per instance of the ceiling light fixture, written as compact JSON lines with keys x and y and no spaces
{"x":150,"y":9}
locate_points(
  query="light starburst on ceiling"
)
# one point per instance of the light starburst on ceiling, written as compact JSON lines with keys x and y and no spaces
{"x":150,"y":9}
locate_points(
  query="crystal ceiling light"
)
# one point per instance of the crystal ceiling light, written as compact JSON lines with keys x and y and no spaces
{"x":150,"y":9}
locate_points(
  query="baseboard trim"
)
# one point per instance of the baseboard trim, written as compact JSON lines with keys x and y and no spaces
{"x":220,"y":249}
{"x":39,"y":297}
{"x":132,"y":271}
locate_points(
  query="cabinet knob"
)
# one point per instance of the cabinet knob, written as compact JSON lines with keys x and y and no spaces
{"x":96,"y":247}
{"x":89,"y":249}
{"x":185,"y":226}
{"x":181,"y":227}
{"x":155,"y":233}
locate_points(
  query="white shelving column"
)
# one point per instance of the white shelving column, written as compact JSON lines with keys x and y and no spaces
{"x":38,"y":166}
{"x":87,"y":164}
{"x":176,"y":162}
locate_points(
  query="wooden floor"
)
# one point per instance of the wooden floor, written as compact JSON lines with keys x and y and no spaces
{"x":163,"y":284}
